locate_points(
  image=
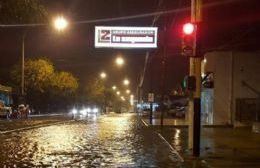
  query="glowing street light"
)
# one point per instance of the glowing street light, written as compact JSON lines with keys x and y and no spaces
{"x":128,"y":91}
{"x":60,"y":23}
{"x":118,"y":93}
{"x":120,"y":61}
{"x":103,"y":75}
{"x":123,"y":98}
{"x":126,"y":82}
{"x":114,"y":87}
{"x":131,"y":100}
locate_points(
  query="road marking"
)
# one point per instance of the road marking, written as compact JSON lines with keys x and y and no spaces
{"x":45,"y":115}
{"x":33,"y":127}
{"x":144,"y":123}
{"x":170,"y":146}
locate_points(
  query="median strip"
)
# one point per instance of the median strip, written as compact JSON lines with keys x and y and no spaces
{"x":33,"y":127}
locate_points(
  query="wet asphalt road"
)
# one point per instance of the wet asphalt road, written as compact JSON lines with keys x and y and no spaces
{"x":115,"y":140}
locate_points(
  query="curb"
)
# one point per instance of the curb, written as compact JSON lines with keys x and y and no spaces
{"x":166,"y":142}
{"x":45,"y":115}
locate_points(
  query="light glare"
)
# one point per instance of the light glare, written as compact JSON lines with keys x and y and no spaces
{"x":120,"y":61}
{"x":103,"y":75}
{"x":60,"y":23}
{"x":188,"y":28}
{"x":127,"y":91}
{"x":126,"y":82}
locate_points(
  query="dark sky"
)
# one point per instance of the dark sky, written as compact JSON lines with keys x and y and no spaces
{"x":228,"y":26}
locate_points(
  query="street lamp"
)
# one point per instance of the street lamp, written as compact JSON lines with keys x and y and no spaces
{"x":127,"y":91}
{"x":120,"y":61}
{"x":126,"y":82}
{"x":123,"y":98}
{"x":103,"y":75}
{"x":131,"y":100}
{"x":60,"y":23}
{"x":114,"y":87}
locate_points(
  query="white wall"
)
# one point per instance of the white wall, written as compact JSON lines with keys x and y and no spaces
{"x":229,"y":69}
{"x":220,"y":64}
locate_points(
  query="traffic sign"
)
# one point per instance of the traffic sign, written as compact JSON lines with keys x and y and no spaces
{"x":125,"y":37}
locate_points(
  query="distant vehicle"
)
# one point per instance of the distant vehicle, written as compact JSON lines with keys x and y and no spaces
{"x":145,"y":112}
{"x":84,"y":111}
{"x":178,"y":111}
{"x":5,"y":111}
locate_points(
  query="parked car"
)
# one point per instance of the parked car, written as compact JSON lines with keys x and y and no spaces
{"x":5,"y":111}
{"x":177,"y":110}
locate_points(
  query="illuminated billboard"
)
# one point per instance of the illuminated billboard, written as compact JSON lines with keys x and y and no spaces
{"x":125,"y":37}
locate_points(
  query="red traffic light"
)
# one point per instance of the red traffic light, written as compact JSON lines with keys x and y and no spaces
{"x":188,"y":28}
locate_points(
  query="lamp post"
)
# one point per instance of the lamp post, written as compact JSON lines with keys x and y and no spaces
{"x":22,"y":79}
{"x":60,"y":23}
{"x":103,"y":75}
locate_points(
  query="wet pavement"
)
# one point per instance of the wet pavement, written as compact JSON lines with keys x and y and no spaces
{"x":115,"y":140}
{"x":35,"y":121}
{"x":220,"y":147}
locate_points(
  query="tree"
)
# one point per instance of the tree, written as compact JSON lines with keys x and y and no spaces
{"x":64,"y":82}
{"x":22,"y":12}
{"x":44,"y":86}
{"x":37,"y":74}
{"x":94,"y":91}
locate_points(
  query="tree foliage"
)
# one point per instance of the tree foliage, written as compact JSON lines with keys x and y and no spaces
{"x":43,"y":85}
{"x":64,"y":83}
{"x":22,"y":11}
{"x":94,"y":90}
{"x":37,"y":74}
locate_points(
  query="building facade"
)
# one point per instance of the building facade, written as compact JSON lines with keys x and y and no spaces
{"x":234,"y":96}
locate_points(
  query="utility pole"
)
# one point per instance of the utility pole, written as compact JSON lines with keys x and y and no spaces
{"x":22,"y":75}
{"x":163,"y":72}
{"x":195,"y":70}
{"x":151,"y":94}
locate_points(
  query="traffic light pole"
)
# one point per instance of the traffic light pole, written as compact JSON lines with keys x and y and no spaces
{"x":195,"y":70}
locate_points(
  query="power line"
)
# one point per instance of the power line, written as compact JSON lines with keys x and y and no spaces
{"x":147,"y":54}
{"x":137,"y":16}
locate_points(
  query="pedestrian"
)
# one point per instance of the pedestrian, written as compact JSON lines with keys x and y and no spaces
{"x":27,"y":111}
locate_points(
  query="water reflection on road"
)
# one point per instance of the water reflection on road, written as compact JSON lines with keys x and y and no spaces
{"x":107,"y":141}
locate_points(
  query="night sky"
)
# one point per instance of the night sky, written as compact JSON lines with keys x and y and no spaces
{"x":233,"y":25}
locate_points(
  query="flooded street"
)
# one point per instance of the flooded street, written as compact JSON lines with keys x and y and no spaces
{"x":114,"y":140}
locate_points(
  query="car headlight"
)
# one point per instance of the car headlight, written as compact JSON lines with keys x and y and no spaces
{"x":88,"y":110}
{"x":74,"y":111}
{"x":95,"y":110}
{"x":83,"y":112}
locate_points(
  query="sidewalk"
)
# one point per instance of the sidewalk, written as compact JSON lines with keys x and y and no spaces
{"x":220,"y":146}
{"x":167,"y":122}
